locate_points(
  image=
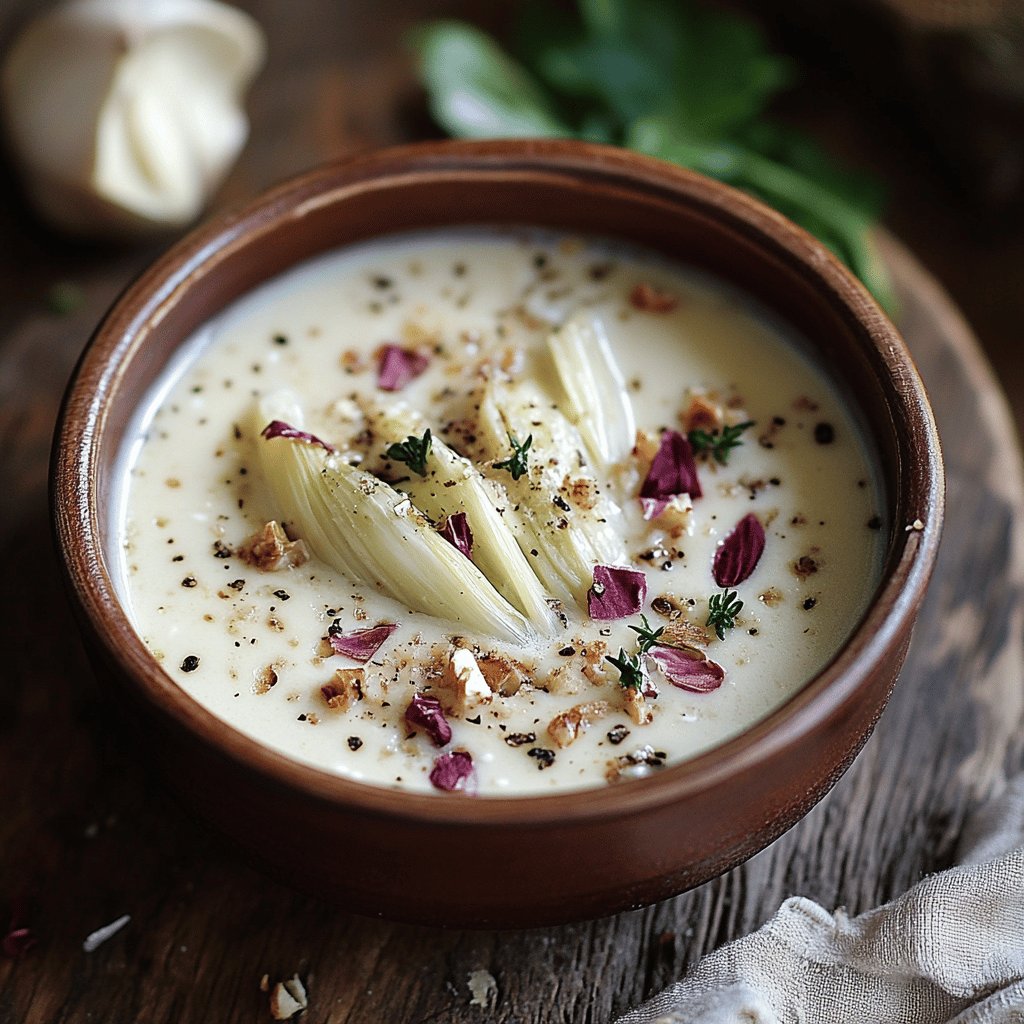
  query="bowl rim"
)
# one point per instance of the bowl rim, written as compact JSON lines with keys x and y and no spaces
{"x":124,"y":328}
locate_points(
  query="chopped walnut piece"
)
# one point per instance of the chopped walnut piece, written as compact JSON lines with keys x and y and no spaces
{"x":462,"y":685}
{"x":683,"y":633}
{"x":568,"y":726}
{"x":270,"y":549}
{"x":649,"y":299}
{"x":644,"y":450}
{"x":264,"y":679}
{"x":771,"y":597}
{"x":669,"y":606}
{"x":503,"y":675}
{"x":702,"y":414}
{"x":674,"y":518}
{"x":287,"y":998}
{"x":636,"y":706}
{"x":344,"y":689}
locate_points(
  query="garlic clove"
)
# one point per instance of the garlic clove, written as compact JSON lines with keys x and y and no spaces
{"x":126,"y":115}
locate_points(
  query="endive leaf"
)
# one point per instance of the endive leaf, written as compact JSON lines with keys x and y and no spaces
{"x":367,"y":530}
{"x":453,"y":484}
{"x":597,"y":402}
{"x":562,"y":520}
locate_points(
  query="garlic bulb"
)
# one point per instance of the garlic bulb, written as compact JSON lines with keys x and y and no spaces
{"x":125,"y":115}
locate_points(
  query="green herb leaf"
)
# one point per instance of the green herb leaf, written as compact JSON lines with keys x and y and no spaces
{"x":674,"y":79}
{"x":631,"y":669}
{"x":413,"y":451}
{"x":718,"y":443}
{"x":646,"y":638}
{"x":517,"y":463}
{"x":722,"y":611}
{"x":477,"y":91}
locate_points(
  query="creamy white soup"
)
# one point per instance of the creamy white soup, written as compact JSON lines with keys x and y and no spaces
{"x":495,"y":512}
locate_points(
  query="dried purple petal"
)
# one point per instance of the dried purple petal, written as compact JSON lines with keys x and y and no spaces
{"x":673,"y":472}
{"x":425,"y":713}
{"x":397,"y":366}
{"x":451,"y":770}
{"x":278,"y":428}
{"x":361,"y":644}
{"x":457,"y":532}
{"x":688,"y":669}
{"x":616,"y":592}
{"x":738,"y":555}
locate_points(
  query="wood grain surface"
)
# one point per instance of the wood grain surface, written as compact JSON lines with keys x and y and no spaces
{"x":87,"y":834}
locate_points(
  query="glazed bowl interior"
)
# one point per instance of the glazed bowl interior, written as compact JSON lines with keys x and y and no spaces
{"x":566,"y":186}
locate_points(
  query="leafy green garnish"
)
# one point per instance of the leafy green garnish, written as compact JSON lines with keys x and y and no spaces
{"x":631,"y":669}
{"x":646,"y":638}
{"x":413,"y":451}
{"x":722,"y":611}
{"x":718,"y":443}
{"x":517,"y":463}
{"x":670,"y":78}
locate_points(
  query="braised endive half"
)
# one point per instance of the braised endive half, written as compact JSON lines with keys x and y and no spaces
{"x":563,"y":522}
{"x":367,"y":530}
{"x":596,"y":401}
{"x":453,"y":484}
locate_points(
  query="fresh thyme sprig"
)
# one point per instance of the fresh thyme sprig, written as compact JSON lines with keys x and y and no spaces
{"x":631,"y":669}
{"x":718,"y":443}
{"x":722,"y":611}
{"x":646,"y":638}
{"x":413,"y":451}
{"x":516,"y":464}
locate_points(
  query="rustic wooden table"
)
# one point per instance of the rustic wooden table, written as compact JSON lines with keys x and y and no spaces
{"x":86,"y":834}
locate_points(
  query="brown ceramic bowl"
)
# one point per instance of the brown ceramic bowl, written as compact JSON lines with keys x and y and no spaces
{"x":486,"y":861}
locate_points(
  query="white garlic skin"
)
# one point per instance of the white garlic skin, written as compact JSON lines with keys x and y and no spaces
{"x":125,"y":115}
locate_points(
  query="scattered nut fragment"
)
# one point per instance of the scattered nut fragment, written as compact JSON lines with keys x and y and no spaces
{"x":287,"y":998}
{"x":770,"y":598}
{"x":270,"y":550}
{"x":462,"y":685}
{"x":644,"y":450}
{"x":636,"y":706}
{"x":264,"y":679}
{"x":503,"y":675}
{"x":568,"y":726}
{"x":702,"y":414}
{"x":683,"y":633}
{"x":344,"y":689}
{"x":633,"y":763}
{"x":675,"y":517}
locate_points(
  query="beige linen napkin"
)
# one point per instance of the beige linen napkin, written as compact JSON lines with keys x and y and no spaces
{"x":949,"y":951}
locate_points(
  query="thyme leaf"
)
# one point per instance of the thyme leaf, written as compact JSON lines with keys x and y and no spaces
{"x":722,"y":611}
{"x":516,"y":464}
{"x":718,"y":444}
{"x":646,"y":638}
{"x":413,"y":451}
{"x":631,"y":669}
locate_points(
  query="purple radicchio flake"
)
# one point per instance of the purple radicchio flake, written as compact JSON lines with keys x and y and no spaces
{"x":397,"y":366}
{"x":673,"y":472}
{"x":738,"y":555}
{"x":361,"y":644}
{"x":688,"y":669}
{"x":451,"y":770}
{"x":425,"y":713}
{"x":616,"y":592}
{"x":457,"y":532}
{"x":278,"y":428}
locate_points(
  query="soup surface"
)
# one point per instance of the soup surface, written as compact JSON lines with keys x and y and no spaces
{"x":668,"y":521}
